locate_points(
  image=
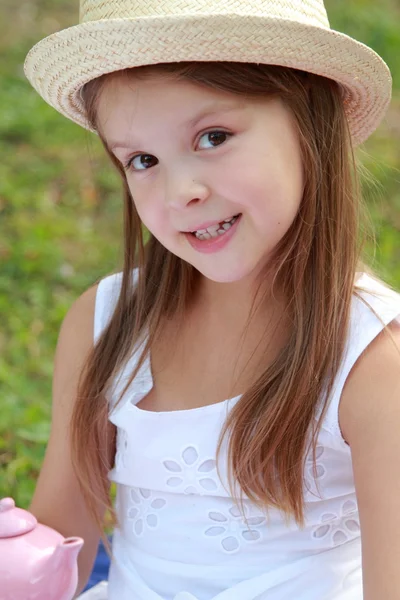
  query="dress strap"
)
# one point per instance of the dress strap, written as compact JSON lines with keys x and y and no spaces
{"x":364,"y":327}
{"x":107,"y":296}
{"x":106,"y":300}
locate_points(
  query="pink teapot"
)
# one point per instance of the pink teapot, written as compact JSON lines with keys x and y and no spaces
{"x":36,"y":562}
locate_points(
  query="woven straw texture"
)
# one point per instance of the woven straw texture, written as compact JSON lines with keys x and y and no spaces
{"x":117,"y":34}
{"x":308,"y":11}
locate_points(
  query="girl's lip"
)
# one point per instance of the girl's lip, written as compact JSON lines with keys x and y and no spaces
{"x":214,"y":244}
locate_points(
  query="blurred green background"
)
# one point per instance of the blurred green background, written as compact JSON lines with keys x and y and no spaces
{"x":60,"y":216}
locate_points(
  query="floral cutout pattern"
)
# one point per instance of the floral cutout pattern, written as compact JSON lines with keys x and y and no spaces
{"x":143,"y":509}
{"x":339,"y":528}
{"x":310,"y":480}
{"x":232,"y":528}
{"x":198,"y":476}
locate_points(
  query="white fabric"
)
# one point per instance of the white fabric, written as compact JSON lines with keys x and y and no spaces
{"x":97,"y":592}
{"x":182,"y":537}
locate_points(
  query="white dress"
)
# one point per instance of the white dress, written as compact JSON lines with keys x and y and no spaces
{"x":182,"y":537}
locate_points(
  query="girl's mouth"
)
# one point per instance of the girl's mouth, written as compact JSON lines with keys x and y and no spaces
{"x":216,"y":237}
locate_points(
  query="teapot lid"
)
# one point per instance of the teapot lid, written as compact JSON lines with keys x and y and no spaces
{"x":14,"y":521}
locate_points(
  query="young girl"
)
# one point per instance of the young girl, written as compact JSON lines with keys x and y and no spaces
{"x":239,"y":379}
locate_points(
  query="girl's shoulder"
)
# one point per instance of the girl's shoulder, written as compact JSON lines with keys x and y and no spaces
{"x":370,"y":418}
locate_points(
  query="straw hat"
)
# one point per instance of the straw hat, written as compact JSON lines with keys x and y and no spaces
{"x":116,"y":34}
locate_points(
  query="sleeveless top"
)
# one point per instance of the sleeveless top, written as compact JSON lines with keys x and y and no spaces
{"x":183,"y":538}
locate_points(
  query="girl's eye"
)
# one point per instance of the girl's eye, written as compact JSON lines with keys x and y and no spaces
{"x":216,"y":138}
{"x":141,"y":162}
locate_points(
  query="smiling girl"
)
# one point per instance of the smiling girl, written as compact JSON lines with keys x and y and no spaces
{"x":239,"y":379}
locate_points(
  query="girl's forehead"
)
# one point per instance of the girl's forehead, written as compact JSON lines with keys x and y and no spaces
{"x":154,"y":97}
{"x":158,"y":87}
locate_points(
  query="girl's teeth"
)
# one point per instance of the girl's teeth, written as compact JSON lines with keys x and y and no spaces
{"x":215,"y":230}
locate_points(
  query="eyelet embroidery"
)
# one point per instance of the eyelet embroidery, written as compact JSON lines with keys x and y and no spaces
{"x":191,"y":472}
{"x":309,"y":479}
{"x":341,"y":528}
{"x":233,"y":528}
{"x":321,"y":471}
{"x":143,"y":503}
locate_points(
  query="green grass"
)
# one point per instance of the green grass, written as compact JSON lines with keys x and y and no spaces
{"x":60,"y":216}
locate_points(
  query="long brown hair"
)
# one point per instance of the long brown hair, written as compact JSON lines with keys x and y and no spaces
{"x":314,"y":264}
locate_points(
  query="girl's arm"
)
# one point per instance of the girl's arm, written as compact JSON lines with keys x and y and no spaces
{"x":370,"y":412}
{"x":57,"y":501}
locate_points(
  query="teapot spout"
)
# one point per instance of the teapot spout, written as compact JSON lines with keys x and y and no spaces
{"x":66,"y":553}
{"x":64,"y":562}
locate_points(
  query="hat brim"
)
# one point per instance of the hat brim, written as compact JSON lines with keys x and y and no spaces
{"x":59,"y":65}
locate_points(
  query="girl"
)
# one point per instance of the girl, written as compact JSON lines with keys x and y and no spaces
{"x":239,"y":379}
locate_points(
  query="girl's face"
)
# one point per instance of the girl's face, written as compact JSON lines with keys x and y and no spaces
{"x":194,"y":156}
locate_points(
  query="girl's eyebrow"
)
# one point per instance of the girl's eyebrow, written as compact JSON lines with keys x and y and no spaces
{"x":210,"y":110}
{"x":214,"y":109}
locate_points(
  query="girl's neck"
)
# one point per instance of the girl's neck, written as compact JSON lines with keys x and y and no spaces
{"x":232,"y":303}
{"x":226,"y":309}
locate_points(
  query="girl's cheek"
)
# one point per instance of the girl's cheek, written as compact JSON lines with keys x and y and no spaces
{"x":148,"y":211}
{"x":139,"y":204}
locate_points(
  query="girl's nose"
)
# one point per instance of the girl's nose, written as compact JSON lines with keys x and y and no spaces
{"x":182,"y":189}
